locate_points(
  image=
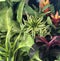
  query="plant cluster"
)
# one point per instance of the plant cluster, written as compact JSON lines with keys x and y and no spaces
{"x":28,"y":34}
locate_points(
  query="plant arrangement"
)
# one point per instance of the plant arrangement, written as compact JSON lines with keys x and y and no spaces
{"x":28,"y":34}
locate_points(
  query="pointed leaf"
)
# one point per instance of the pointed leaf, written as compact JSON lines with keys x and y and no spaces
{"x":20,"y":11}
{"x":29,"y":10}
{"x":49,"y":21}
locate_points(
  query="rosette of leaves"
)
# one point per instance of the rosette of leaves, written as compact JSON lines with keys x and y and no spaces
{"x":36,"y":25}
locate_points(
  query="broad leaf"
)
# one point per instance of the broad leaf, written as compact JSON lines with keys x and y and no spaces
{"x":29,"y":10}
{"x":27,"y":43}
{"x":20,"y":11}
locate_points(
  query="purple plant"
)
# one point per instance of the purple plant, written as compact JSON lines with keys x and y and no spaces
{"x":54,"y":41}
{"x":49,"y":49}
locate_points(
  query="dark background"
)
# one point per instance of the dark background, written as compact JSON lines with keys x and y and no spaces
{"x":56,"y":3}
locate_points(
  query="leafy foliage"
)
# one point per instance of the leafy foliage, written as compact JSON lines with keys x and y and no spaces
{"x":17,"y":36}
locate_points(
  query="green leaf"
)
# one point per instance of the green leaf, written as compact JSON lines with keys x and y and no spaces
{"x":20,"y":11}
{"x":1,"y":59}
{"x":2,"y":20}
{"x":2,"y":27}
{"x":5,"y":19}
{"x":27,"y":43}
{"x":49,"y":21}
{"x":36,"y":57}
{"x":58,"y":31}
{"x":2,"y":0}
{"x":8,"y":24}
{"x":15,"y":26}
{"x":3,"y":53}
{"x":29,"y":10}
{"x":2,"y":49}
{"x":52,"y":8}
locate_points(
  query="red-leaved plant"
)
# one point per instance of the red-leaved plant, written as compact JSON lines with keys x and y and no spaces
{"x":48,"y":49}
{"x":43,"y":3}
{"x":55,"y":40}
{"x":55,"y":18}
